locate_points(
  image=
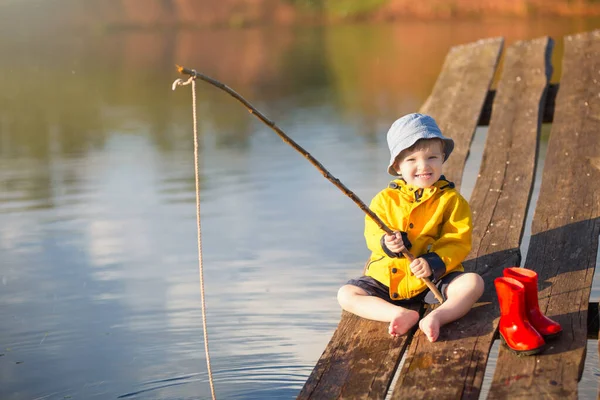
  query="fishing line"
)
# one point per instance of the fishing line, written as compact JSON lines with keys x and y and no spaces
{"x":181,"y":82}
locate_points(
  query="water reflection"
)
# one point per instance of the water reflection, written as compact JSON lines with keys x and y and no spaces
{"x":98,"y":235}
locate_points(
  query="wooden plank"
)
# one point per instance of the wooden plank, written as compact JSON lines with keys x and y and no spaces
{"x":547,"y":115}
{"x":565,"y":232}
{"x":458,"y":97}
{"x":361,"y":358}
{"x":359,"y":361}
{"x":453,"y":367}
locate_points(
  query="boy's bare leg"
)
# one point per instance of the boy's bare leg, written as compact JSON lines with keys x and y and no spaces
{"x":461,"y":294}
{"x":355,"y":300}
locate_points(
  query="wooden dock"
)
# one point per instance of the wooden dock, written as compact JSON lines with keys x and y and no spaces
{"x":361,"y":359}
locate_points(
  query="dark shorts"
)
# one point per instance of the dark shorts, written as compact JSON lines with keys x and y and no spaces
{"x":377,"y":289}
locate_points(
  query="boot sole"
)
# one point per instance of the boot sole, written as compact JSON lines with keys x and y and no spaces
{"x":521,"y":352}
{"x":552,"y":336}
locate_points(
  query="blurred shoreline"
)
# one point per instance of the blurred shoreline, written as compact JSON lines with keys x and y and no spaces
{"x":102,"y":15}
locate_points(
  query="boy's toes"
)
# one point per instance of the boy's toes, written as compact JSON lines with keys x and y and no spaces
{"x":430,"y":328}
{"x":432,"y":336}
{"x":394,"y":330}
{"x":403,"y":322}
{"x":391,"y":330}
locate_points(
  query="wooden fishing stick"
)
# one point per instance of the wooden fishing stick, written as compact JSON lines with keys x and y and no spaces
{"x":313,"y":161}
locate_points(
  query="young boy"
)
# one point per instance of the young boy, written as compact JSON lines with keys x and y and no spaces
{"x":432,"y":220}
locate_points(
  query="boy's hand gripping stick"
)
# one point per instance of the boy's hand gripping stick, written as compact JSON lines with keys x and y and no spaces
{"x":408,"y":255}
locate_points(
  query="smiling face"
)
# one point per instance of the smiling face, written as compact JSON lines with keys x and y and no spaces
{"x":421,"y":164}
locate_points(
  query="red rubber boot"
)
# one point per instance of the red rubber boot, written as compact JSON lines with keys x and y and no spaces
{"x":515,"y":329}
{"x":548,"y":328}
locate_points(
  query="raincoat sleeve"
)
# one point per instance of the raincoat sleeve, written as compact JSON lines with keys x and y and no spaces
{"x":454,"y":243}
{"x":373,"y":232}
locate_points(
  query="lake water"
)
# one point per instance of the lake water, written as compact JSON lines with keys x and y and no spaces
{"x":99,"y":281}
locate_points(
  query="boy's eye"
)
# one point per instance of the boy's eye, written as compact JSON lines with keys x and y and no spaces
{"x":433,"y":157}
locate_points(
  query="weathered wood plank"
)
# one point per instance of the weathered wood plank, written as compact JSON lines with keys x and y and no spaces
{"x":458,"y":97}
{"x":361,"y":358}
{"x":547,"y":115}
{"x":565,"y":232}
{"x":453,"y":367}
{"x":359,"y":362}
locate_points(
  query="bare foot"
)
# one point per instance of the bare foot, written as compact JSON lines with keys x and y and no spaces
{"x":430,"y":325}
{"x":402,"y":322}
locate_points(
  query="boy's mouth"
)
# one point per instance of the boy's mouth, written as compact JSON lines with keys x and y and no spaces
{"x":423,"y":176}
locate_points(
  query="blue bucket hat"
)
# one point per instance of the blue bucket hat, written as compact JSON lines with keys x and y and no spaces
{"x":405,"y":132}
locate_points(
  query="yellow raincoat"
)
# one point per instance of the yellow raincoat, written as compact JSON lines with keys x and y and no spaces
{"x":437,"y":221}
